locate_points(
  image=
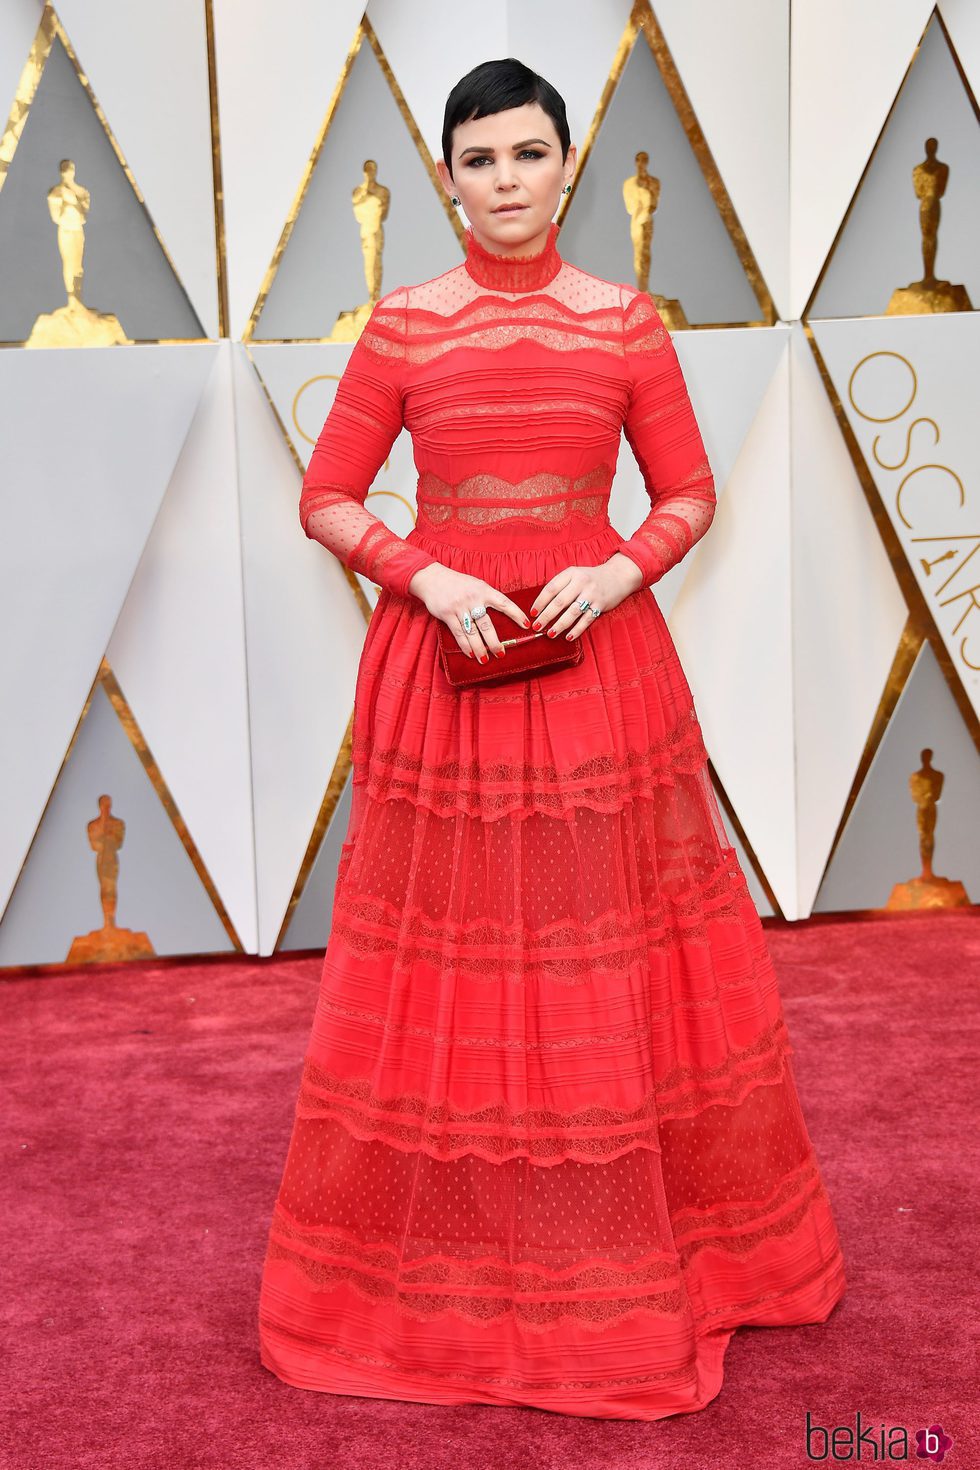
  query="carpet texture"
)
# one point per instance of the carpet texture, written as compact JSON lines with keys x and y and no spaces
{"x":148,"y":1111}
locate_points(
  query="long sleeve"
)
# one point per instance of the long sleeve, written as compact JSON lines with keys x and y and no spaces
{"x":364,"y":421}
{"x":663,"y":433}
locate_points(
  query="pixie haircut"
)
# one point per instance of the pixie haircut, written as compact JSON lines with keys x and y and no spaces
{"x":496,"y":86}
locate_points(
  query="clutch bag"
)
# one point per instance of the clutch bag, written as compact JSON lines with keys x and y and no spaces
{"x":527,"y":653}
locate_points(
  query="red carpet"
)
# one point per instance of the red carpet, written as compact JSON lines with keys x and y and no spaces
{"x":149,"y":1111}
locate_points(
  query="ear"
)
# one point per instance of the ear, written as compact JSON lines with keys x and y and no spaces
{"x":445,"y":176}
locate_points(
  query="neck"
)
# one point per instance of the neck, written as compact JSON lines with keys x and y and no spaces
{"x":516,"y":272}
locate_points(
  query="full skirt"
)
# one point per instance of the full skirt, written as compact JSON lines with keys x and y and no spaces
{"x":547,"y":1149}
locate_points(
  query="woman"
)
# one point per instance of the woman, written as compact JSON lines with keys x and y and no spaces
{"x":547,"y":1149}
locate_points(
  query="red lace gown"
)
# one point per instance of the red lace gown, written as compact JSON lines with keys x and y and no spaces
{"x":547,"y":1148}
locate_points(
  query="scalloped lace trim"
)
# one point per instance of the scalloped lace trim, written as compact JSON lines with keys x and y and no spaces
{"x":497,"y":1132}
{"x":594,"y":1293}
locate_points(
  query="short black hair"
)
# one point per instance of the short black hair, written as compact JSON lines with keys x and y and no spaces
{"x":496,"y":86}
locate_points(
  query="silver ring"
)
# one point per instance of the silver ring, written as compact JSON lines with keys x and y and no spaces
{"x":596,"y":611}
{"x":583,"y":604}
{"x":467,"y":623}
{"x":479,"y":611}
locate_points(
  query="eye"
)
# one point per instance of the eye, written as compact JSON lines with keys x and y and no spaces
{"x":525,"y":152}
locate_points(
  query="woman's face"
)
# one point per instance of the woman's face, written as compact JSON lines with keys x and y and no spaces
{"x":511,"y":157}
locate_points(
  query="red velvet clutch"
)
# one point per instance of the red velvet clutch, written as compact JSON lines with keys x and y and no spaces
{"x":527,"y":653}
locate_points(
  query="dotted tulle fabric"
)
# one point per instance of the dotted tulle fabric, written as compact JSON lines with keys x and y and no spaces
{"x":547,"y":1147}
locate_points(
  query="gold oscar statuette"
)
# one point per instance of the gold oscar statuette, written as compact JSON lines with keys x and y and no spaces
{"x":927,"y":891}
{"x":369,"y":201}
{"x":929,"y":179}
{"x":641,"y":195}
{"x":73,"y":325}
{"x":105,"y":837}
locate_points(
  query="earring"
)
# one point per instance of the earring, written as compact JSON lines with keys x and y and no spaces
{"x":567,"y":189}
{"x":455,"y":200}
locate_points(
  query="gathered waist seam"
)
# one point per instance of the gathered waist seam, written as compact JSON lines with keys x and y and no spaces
{"x":506,"y":500}
{"x":484,"y":535}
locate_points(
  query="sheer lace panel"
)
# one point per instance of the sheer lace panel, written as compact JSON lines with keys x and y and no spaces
{"x":577,"y":293}
{"x":482,"y":500}
{"x":571,"y":912}
{"x":489,"y":323}
{"x":595,"y":1296}
{"x":572,"y":310}
{"x":364,"y":421}
{"x":498,"y":1132}
{"x":485,"y":1235}
{"x":604,"y":782}
{"x":663,"y":433}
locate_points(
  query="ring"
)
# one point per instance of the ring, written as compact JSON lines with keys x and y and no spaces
{"x":467,"y":622}
{"x":583,"y":604}
{"x":596,"y":611}
{"x":479,"y":611}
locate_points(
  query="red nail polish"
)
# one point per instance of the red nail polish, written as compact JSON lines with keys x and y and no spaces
{"x":568,"y":635}
{"x":527,"y":622}
{"x":537,"y":625}
{"x":484,"y":658}
{"x":552,"y":632}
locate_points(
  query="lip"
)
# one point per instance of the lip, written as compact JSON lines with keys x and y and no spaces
{"x":508,"y":208}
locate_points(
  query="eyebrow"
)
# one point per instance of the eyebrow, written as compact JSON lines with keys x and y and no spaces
{"x":513,"y":145}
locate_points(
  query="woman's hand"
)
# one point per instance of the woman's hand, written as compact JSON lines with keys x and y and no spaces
{"x":448,"y":595}
{"x":604,"y":586}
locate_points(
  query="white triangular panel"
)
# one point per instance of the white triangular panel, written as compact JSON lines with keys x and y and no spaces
{"x":178,"y":651}
{"x":148,"y":68}
{"x":508,"y":29}
{"x":731,"y":624}
{"x":310,"y":924}
{"x":962,"y":20}
{"x":742,"y":111}
{"x":727,"y":372}
{"x":847,"y":63}
{"x":881,"y":247}
{"x":301,"y":380}
{"x":398,"y":27}
{"x":91,"y":437}
{"x":881,"y":843}
{"x":848,"y":616}
{"x":908,"y":387}
{"x":21,"y":19}
{"x":304,"y":635}
{"x":278,"y":66}
{"x":57,"y":896}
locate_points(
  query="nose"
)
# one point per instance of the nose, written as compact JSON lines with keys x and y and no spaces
{"x":505,"y":178}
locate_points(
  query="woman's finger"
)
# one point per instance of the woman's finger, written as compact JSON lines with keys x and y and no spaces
{"x":517,"y":613}
{"x":489,"y":643}
{"x":579,"y":626}
{"x":472,"y":642}
{"x":572,"y":616}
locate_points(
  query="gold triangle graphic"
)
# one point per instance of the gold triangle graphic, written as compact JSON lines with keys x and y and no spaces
{"x":365,"y":31}
{"x":935,"y":15}
{"x":643,"y":22}
{"x":50,"y":29}
{"x":110,"y":685}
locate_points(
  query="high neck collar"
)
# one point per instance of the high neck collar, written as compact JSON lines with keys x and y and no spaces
{"x":513,"y":272}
